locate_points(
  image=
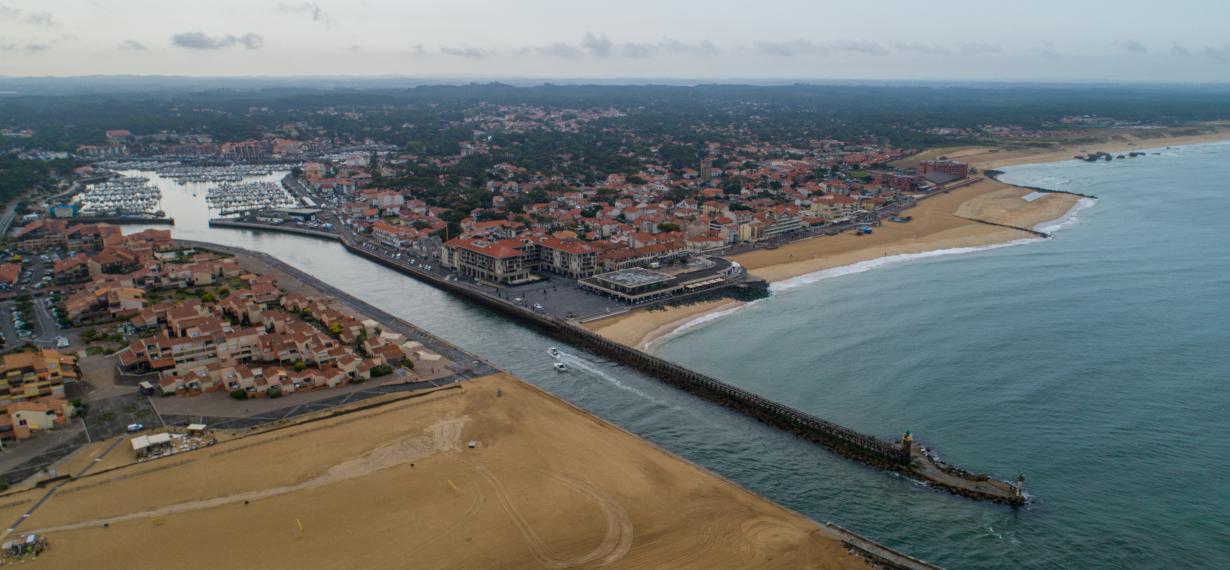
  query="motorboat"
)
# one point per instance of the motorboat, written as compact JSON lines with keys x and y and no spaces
{"x":553,"y":351}
{"x":561,"y":367}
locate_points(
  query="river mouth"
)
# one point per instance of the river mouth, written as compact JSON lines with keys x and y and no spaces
{"x":1063,"y":359}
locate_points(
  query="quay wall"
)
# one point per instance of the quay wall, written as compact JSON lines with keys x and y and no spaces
{"x":120,"y":220}
{"x":221,"y":223}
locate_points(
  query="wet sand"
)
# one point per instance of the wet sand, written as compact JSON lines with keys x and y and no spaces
{"x":548,"y":485}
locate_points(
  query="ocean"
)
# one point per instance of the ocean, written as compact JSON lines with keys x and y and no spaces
{"x":1093,"y":362}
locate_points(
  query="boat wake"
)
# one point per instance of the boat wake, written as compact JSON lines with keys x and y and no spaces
{"x":580,"y":364}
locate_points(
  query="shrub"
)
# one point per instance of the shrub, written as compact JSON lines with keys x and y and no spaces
{"x":239,"y":394}
{"x":381,"y":370}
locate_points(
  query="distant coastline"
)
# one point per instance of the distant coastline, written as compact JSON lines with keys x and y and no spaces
{"x":934,"y":232}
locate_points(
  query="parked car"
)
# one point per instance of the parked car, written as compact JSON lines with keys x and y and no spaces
{"x":133,"y":428}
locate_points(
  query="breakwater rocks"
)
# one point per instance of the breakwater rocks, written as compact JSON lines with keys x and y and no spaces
{"x":1026,"y":230}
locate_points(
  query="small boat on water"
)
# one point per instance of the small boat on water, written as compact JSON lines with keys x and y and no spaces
{"x":561,"y":367}
{"x":553,"y":351}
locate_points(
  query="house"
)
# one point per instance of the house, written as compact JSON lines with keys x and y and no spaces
{"x":10,"y":273}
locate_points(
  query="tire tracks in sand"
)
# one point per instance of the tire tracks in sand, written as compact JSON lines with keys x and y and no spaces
{"x":615,"y":543}
{"x":440,"y":437}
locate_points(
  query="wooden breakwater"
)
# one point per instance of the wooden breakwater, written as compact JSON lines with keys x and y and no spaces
{"x":843,"y":441}
{"x":994,"y":175}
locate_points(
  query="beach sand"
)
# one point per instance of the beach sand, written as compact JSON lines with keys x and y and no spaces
{"x":939,"y":222}
{"x":548,"y":485}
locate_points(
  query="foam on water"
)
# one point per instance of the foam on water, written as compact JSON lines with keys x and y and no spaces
{"x":698,"y":322}
{"x":863,"y":266}
{"x":1069,"y":219}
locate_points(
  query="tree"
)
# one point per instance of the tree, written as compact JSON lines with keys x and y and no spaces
{"x":335,"y":329}
{"x":668,"y":227}
{"x":239,"y":394}
{"x":208,"y":298}
{"x":300,"y":365}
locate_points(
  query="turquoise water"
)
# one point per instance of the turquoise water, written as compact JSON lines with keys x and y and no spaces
{"x":1093,"y":362}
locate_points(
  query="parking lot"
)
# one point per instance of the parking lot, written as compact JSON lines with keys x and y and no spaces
{"x":110,"y":417}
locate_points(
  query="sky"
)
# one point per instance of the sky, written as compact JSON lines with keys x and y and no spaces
{"x":1022,"y":40}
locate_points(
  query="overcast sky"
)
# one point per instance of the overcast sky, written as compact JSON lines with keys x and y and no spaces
{"x":1083,"y":40}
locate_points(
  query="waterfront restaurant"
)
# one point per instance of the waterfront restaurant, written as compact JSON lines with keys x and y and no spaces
{"x":636,"y":285}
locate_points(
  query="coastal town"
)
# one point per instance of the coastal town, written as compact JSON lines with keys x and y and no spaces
{"x":130,"y":343}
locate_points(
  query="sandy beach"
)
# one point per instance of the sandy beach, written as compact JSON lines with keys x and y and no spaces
{"x":940,"y":222}
{"x":546,"y":485}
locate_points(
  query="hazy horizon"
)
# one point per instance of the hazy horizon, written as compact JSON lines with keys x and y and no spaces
{"x":777,"y":40}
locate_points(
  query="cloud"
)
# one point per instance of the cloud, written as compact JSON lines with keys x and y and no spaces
{"x":919,"y":48}
{"x":601,"y":46}
{"x":10,"y":14}
{"x":309,"y":8}
{"x":1045,"y":49}
{"x":788,"y":48}
{"x":598,"y":46}
{"x":979,"y":48}
{"x":23,"y":47}
{"x":132,"y":45}
{"x":794,"y":48}
{"x":203,"y":41}
{"x":557,"y":49}
{"x":1218,"y":53}
{"x":1176,"y":49}
{"x":704,"y":47}
{"x":1133,"y":47}
{"x":464,"y":51}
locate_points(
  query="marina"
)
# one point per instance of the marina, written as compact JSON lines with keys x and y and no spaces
{"x":123,"y":196}
{"x":230,"y":198}
{"x":232,"y":173}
